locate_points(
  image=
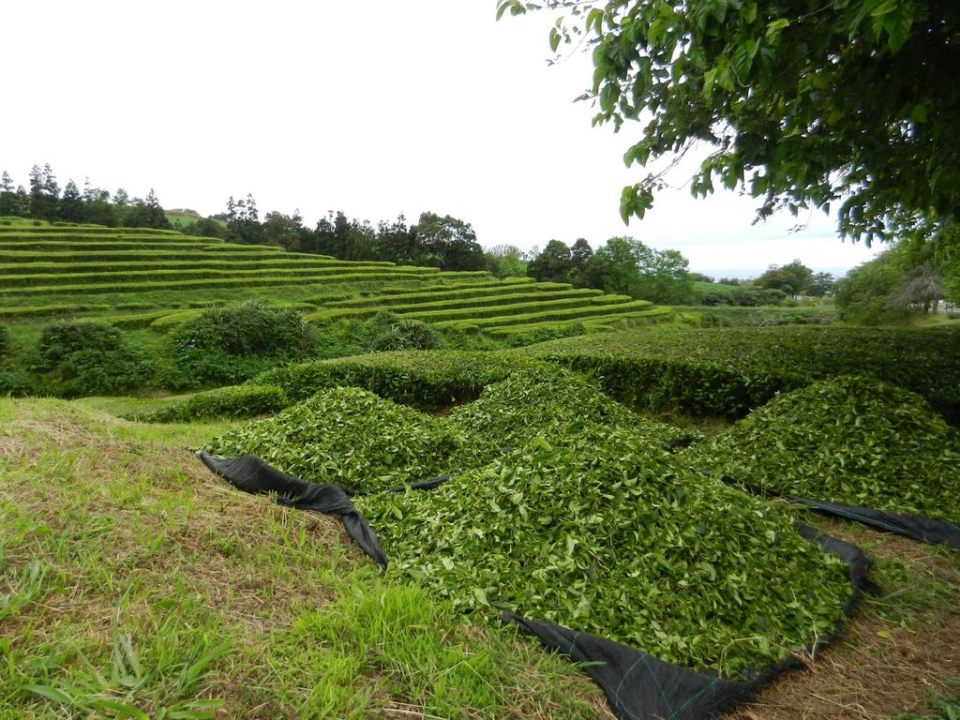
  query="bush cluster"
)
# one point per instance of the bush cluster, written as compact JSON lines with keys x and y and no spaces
{"x":231,"y":344}
{"x":82,"y":358}
{"x":238,"y":401}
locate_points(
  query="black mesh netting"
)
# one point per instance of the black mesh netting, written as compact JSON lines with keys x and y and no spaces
{"x":915,"y":527}
{"x":638,"y":685}
{"x":251,"y":474}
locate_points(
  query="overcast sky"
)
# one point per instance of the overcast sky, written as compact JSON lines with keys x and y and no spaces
{"x":375,"y":108}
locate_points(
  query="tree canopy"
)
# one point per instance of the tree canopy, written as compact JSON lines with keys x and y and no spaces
{"x":805,"y":104}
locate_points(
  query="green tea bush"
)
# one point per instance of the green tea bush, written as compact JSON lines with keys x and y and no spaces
{"x":4,"y":340}
{"x":850,"y":440}
{"x":603,"y":532}
{"x":729,"y":371}
{"x":230,"y":344}
{"x":425,"y":380}
{"x":85,"y":358}
{"x":238,"y":401}
{"x":385,"y":331}
{"x":352,"y":437}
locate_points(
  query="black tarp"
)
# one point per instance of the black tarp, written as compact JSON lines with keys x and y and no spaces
{"x":638,"y":685}
{"x":641,"y":687}
{"x":915,"y":527}
{"x":251,"y":474}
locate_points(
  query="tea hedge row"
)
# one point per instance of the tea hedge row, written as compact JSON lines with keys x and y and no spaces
{"x":96,"y":239}
{"x":427,"y":380}
{"x":53,"y":309}
{"x":652,"y":314}
{"x":226,"y":283}
{"x":238,"y":401}
{"x":28,"y":229}
{"x":456,"y":294}
{"x":546,"y":315}
{"x":492,"y":306}
{"x":198,"y":263}
{"x":63,"y":246}
{"x":133,"y":277}
{"x":729,"y":371}
{"x":141,"y":258}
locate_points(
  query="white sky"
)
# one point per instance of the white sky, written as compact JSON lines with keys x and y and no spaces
{"x":374,"y":108}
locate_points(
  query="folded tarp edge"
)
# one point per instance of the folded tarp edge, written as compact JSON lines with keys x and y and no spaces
{"x":251,"y":474}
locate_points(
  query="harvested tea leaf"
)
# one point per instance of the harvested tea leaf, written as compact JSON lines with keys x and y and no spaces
{"x":847,"y":440}
{"x":606,"y":533}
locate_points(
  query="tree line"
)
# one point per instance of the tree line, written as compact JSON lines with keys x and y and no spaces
{"x":45,"y":200}
{"x":622,"y":265}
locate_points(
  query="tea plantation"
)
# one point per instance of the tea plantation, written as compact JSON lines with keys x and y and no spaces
{"x":141,"y":278}
{"x":136,"y":584}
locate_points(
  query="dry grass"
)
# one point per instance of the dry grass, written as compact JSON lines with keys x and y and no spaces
{"x":892,"y":657}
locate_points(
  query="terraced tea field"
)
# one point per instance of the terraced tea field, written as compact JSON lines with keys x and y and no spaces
{"x":142,"y":277}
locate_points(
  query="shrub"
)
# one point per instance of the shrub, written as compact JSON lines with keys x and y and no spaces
{"x":392,"y":333}
{"x":85,"y":358}
{"x":15,"y":382}
{"x":239,"y":401}
{"x":426,"y":380}
{"x":230,"y":344}
{"x":4,"y":340}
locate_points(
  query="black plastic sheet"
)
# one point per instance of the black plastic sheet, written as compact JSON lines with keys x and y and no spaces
{"x":641,"y":687}
{"x":915,"y":527}
{"x":251,"y":474}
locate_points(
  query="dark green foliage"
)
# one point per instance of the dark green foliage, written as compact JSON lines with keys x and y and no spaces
{"x":79,"y":358}
{"x":805,"y":105}
{"x":239,"y":401}
{"x":230,"y":344}
{"x":352,"y":437}
{"x":448,"y":243}
{"x":15,"y":382}
{"x":386,"y":331}
{"x":602,"y":531}
{"x":426,"y":380}
{"x":791,"y":279}
{"x":728,"y":371}
{"x":849,"y":440}
{"x":4,"y":340}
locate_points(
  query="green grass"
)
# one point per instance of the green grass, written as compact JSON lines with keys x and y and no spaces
{"x":136,"y":585}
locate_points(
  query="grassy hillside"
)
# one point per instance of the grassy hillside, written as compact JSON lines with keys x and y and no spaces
{"x":135,"y":276}
{"x":137,"y":585}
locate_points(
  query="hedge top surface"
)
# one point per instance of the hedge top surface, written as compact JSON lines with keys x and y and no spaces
{"x":926,"y":361}
{"x":850,"y":440}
